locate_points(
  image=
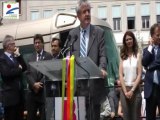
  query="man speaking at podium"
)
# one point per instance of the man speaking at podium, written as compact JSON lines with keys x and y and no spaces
{"x":88,"y":40}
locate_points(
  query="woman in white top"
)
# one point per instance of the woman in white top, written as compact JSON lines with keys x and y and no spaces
{"x":130,"y":71}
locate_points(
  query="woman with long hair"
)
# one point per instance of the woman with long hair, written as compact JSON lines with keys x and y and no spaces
{"x":130,"y":71}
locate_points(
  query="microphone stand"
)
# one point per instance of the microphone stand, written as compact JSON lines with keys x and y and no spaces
{"x":60,"y":53}
{"x":72,"y":43}
{"x":63,"y":50}
{"x":68,"y":48}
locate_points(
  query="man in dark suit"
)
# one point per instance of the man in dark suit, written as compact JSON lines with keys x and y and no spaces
{"x":12,"y":66}
{"x":89,"y":41}
{"x":36,"y":96}
{"x":56,"y":45}
{"x":151,"y":62}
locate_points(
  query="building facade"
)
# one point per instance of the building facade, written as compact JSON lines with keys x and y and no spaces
{"x":122,"y":15}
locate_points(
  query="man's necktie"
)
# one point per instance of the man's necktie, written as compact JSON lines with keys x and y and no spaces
{"x":83,"y":49}
{"x":155,"y":75}
{"x":155,"y":51}
{"x":39,"y":57}
{"x":12,"y":58}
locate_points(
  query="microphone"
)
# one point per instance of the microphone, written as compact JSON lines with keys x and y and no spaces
{"x":67,"y":40}
{"x":64,"y":47}
{"x":75,"y":39}
{"x":72,"y":43}
{"x":70,"y":47}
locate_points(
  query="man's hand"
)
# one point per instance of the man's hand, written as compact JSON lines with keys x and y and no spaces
{"x":104,"y":73}
{"x":16,"y":52}
{"x":20,"y":66}
{"x":151,"y":41}
{"x":37,"y":86}
{"x":112,"y":114}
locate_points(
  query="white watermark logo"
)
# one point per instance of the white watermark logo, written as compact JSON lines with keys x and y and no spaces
{"x":10,"y":10}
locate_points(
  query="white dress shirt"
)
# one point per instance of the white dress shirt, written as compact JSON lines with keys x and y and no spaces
{"x":130,"y":70}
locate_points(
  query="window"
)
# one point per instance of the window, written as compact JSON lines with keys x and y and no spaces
{"x":1,"y":21}
{"x":116,"y":14}
{"x":61,"y":9}
{"x":35,"y":15}
{"x":47,"y":13}
{"x":145,"y":22}
{"x":92,"y":11}
{"x":158,"y":8}
{"x":131,"y":22}
{"x":158,"y":12}
{"x":102,"y":12}
{"x":73,"y":10}
{"x":158,"y":18}
{"x":131,"y":16}
{"x":19,"y":1}
{"x":116,"y":23}
{"x":145,"y":16}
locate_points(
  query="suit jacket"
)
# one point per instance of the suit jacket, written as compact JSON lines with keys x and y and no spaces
{"x":96,"y":51}
{"x":12,"y":79}
{"x":150,"y":64}
{"x":34,"y":76}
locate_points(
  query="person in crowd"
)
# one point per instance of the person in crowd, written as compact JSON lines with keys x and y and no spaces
{"x":106,"y":109}
{"x":54,"y":89}
{"x":114,"y":97}
{"x":120,"y":112}
{"x":88,"y":41}
{"x":12,"y":66}
{"x":143,"y":106}
{"x":151,"y":62}
{"x":130,"y":71}
{"x":56,"y":46}
{"x":36,"y":95}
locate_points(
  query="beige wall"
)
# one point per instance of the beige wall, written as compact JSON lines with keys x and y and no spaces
{"x":30,"y":5}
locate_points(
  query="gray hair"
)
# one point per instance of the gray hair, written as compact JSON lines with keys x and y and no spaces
{"x":80,"y":3}
{"x":7,"y":40}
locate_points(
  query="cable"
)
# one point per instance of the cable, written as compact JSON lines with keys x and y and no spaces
{"x":65,"y":51}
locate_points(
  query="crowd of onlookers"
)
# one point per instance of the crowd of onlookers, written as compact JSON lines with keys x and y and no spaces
{"x":123,"y":102}
{"x":129,"y":99}
{"x":111,"y":109}
{"x":135,"y":101}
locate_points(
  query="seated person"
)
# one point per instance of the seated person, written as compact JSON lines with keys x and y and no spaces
{"x":114,"y":97}
{"x":106,"y":109}
{"x":120,"y":113}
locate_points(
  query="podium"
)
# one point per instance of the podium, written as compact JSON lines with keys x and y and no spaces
{"x":53,"y":69}
{"x":85,"y":68}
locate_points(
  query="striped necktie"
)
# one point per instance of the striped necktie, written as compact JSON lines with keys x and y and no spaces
{"x":83,"y":49}
{"x":12,"y":58}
